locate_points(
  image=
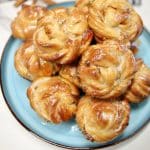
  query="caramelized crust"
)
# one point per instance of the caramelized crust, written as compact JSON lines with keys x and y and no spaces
{"x":114,"y":19}
{"x":100,"y":120}
{"x":30,"y":66}
{"x":53,"y":98}
{"x":140,"y":87}
{"x":69,"y":72}
{"x":25,"y":23}
{"x":62,"y":35}
{"x":106,"y":70}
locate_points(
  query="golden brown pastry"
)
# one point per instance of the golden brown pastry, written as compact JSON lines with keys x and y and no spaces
{"x":50,"y":2}
{"x":19,"y":2}
{"x":53,"y":98}
{"x":134,"y":49}
{"x":140,"y":87}
{"x":62,"y":35}
{"x":25,"y":23}
{"x":106,"y":70}
{"x":114,"y":19}
{"x":100,"y":120}
{"x":69,"y":72}
{"x":30,"y":66}
{"x":83,"y":5}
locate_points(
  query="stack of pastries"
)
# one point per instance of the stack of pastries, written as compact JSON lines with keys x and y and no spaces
{"x":81,"y":64}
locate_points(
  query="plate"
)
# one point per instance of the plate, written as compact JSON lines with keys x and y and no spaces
{"x":66,"y":134}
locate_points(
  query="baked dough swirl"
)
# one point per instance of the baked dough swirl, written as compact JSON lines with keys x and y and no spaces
{"x":30,"y":66}
{"x":83,"y":5}
{"x":106,"y":70}
{"x":140,"y":87}
{"x":69,"y":72}
{"x":100,"y":120}
{"x":114,"y":19}
{"x":62,"y":35}
{"x":53,"y":98}
{"x":24,"y":25}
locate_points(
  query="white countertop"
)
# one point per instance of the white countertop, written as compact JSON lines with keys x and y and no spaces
{"x":15,"y":137}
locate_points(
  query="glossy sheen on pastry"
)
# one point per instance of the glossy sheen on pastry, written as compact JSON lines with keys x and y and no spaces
{"x":62,"y":35}
{"x":30,"y":66}
{"x":25,"y":23}
{"x":140,"y":87}
{"x":114,"y":19}
{"x":106,"y":70}
{"x":69,"y":72}
{"x":100,"y":120}
{"x":53,"y":98}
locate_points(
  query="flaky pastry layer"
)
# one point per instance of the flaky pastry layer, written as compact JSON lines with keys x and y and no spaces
{"x":53,"y":98}
{"x":100,"y":120}
{"x":24,"y":25}
{"x":105,"y":70}
{"x":30,"y":66}
{"x":62,"y":35}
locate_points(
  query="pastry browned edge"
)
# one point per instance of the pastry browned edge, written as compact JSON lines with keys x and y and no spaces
{"x":83,"y":5}
{"x":30,"y":66}
{"x":53,"y":98}
{"x":105,"y":70}
{"x":24,"y":25}
{"x":101,"y":120}
{"x":69,"y":72}
{"x":62,"y":35}
{"x":140,"y":87}
{"x":114,"y":19}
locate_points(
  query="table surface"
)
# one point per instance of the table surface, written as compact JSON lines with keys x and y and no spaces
{"x":14,"y":136}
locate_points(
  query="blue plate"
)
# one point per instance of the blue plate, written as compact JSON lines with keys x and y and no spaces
{"x":66,"y":134}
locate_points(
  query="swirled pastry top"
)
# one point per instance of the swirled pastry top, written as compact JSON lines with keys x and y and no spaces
{"x":30,"y":66}
{"x":100,"y":120}
{"x":62,"y":35}
{"x":24,"y":25}
{"x":114,"y":19}
{"x":140,"y":87}
{"x":53,"y":98}
{"x":106,"y":69}
{"x":69,"y":72}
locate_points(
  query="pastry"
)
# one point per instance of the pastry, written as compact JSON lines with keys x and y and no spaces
{"x":69,"y":72}
{"x":100,"y":120}
{"x":134,"y":49}
{"x":30,"y":66}
{"x":140,"y":87}
{"x":53,"y":98}
{"x":83,"y":5}
{"x":49,"y":2}
{"x":19,"y":2}
{"x":114,"y":19}
{"x":24,"y":25}
{"x":106,"y":70}
{"x":62,"y":35}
